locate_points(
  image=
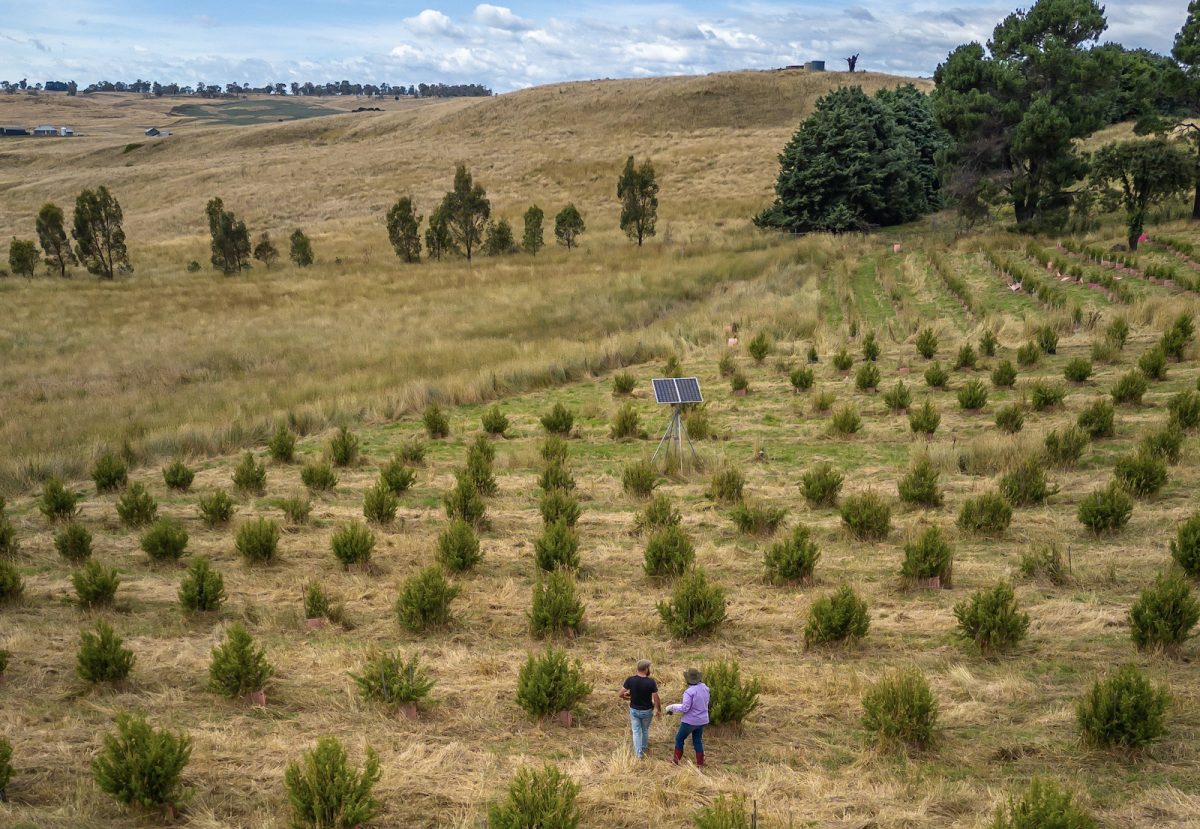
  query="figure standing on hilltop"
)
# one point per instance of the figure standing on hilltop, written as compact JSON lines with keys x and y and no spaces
{"x":852,"y":61}
{"x":694,"y":709}
{"x":644,"y":705}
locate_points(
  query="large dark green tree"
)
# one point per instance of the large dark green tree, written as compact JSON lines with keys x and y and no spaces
{"x":1143,"y":173}
{"x":22,"y":257}
{"x":230,"y":238}
{"x":1186,"y":52}
{"x":637,"y":188}
{"x":99,"y":237}
{"x":466,"y":210}
{"x":438,"y":240}
{"x":52,"y":235}
{"x":404,"y":230}
{"x":849,"y":166}
{"x":1016,"y":110}
{"x":532,"y":240}
{"x":568,"y":224}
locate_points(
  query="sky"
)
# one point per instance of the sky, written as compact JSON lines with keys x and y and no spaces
{"x":504,"y":47}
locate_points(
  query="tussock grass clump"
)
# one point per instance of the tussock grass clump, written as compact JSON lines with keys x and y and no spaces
{"x":623,"y":383}
{"x":555,"y":607}
{"x":626,"y":425}
{"x":928,"y":556}
{"x":792,"y":560}
{"x":1185,"y":547}
{"x":973,"y":396}
{"x":397,"y":475}
{"x":140,"y":765}
{"x":1029,"y":355}
{"x":412,"y":452}
{"x":110,"y":473}
{"x":723,"y":813}
{"x":867,"y":377}
{"x":258,"y":540}
{"x":823,"y":401}
{"x":845,"y":421}
{"x":1043,"y":805}
{"x":393,"y":680}
{"x":250,"y":476}
{"x":639,"y":479}
{"x":1164,"y":614}
{"x":95,"y":585}
{"x":992,"y":619}
{"x":559,"y":505}
{"x":11,"y":583}
{"x":1105,"y":352}
{"x":495,"y":422}
{"x":8,"y":535}
{"x":731,"y":699}
{"x":1010,"y":418}
{"x":458,"y":547}
{"x":1047,"y":339}
{"x":1140,"y":474}
{"x":166,"y":540}
{"x":1124,"y":710}
{"x":727,"y":485}
{"x":202,"y":589}
{"x":216,"y":508}
{"x":966,"y":358}
{"x":898,"y":397}
{"x":557,"y":546}
{"x":537,"y":797}
{"x":924,"y":420}
{"x":1025,"y":484}
{"x":282,"y":446}
{"x":550,"y":682}
{"x":136,"y":507}
{"x":1129,"y":389}
{"x":1077,"y":370}
{"x":842,"y":361}
{"x":867,"y":516}
{"x":986,"y":514}
{"x":74,"y":543}
{"x":726,"y":366}
{"x":56,"y":502}
{"x":559,"y":420}
{"x":669,"y":552}
{"x":759,"y":347}
{"x":1165,"y":444}
{"x":1097,"y":420}
{"x":352,"y":544}
{"x":752,"y":518}
{"x":178,"y":476}
{"x":696,"y":608}
{"x":1043,"y":396}
{"x":380,"y":504}
{"x":927,"y":343}
{"x":296,"y":510}
{"x":1106,"y":510}
{"x":900,"y":710}
{"x":465,"y":502}
{"x":988,"y":343}
{"x":324,"y":790}
{"x":344,"y":447}
{"x":238,"y":667}
{"x":102,"y":656}
{"x":1004,"y":375}
{"x":801,"y":378}
{"x":821,"y":485}
{"x":936,"y":376}
{"x":1065,"y":448}
{"x":424,"y":601}
{"x":659,"y":514}
{"x":919,"y":486}
{"x":1044,"y":560}
{"x":436,"y":424}
{"x":1153,"y":364}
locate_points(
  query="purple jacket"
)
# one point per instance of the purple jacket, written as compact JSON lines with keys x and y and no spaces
{"x":694,"y":706}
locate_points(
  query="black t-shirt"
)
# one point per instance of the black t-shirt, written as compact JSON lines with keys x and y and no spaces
{"x":640,"y":689}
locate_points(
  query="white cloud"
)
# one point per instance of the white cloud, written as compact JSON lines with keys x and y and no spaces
{"x":405,"y":52}
{"x":658,"y":52}
{"x":732,"y":38}
{"x":499,"y":17}
{"x":432,"y":22}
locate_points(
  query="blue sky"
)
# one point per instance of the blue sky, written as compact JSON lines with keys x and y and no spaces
{"x":504,"y":46}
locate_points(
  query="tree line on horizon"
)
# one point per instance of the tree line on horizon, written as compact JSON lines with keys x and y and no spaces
{"x":1002,"y":129}
{"x":295,"y":88}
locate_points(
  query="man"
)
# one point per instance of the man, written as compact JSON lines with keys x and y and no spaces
{"x":694,"y":709}
{"x":644,"y":705}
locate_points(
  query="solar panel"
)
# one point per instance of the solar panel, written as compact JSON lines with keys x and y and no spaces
{"x":689,"y":390}
{"x":665,"y":391}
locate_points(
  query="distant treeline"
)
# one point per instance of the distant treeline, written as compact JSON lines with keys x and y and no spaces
{"x":206,"y":90}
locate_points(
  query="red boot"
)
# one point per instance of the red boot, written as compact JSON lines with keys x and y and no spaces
{"x":678,"y":756}
{"x":699,"y":758}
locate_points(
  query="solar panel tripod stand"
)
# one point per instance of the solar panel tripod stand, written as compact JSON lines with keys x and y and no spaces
{"x":675,"y":437}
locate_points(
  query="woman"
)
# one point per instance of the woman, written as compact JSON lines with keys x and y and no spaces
{"x":694,"y":709}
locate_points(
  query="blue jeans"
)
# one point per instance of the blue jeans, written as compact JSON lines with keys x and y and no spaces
{"x":697,"y":732}
{"x":639,"y":722}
